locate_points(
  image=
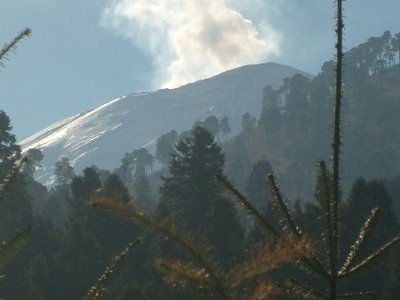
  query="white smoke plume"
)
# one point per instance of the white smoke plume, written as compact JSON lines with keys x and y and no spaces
{"x":191,"y":39}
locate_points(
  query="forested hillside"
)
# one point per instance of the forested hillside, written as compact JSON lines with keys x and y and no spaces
{"x":294,"y":129}
{"x":194,"y":220}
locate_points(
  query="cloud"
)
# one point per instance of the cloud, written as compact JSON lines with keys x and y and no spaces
{"x":191,"y":39}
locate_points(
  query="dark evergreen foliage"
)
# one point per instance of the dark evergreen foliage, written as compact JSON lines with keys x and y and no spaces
{"x":225,"y":127}
{"x":164,"y":147}
{"x":191,"y":196}
{"x":9,"y":150}
{"x":257,"y":189}
{"x":63,"y":171}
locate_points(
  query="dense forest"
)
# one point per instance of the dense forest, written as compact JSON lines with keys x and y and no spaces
{"x":201,"y":219}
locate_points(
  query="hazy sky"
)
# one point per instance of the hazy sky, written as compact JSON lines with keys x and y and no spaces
{"x":85,"y":52}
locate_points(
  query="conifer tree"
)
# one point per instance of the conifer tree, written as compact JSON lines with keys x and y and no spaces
{"x":248,"y":124}
{"x":270,"y":112}
{"x":329,"y":270}
{"x":115,"y":188}
{"x":164,"y":147}
{"x":191,"y":195}
{"x":22,"y":233}
{"x":91,"y":236}
{"x":9,"y":150}
{"x":141,"y":187}
{"x":211,"y":123}
{"x":225,"y":127}
{"x":63,"y":172}
{"x":125,"y":171}
{"x":34,"y":156}
{"x":82,"y":186}
{"x":142,"y":159}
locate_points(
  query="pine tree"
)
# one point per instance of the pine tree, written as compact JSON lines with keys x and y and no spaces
{"x":141,"y":187}
{"x":211,"y":123}
{"x":82,"y":187}
{"x":164,"y":147}
{"x":270,"y":111}
{"x":125,"y":171}
{"x":23,"y":235}
{"x":63,"y":171}
{"x":9,"y":150}
{"x":248,"y":124}
{"x":190,"y":187}
{"x":91,"y":236}
{"x":115,"y":188}
{"x":225,"y":127}
{"x":191,"y":195}
{"x":34,"y":156}
{"x":142,"y":159}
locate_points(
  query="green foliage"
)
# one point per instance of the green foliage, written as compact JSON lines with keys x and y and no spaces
{"x":141,"y":187}
{"x":225,"y":127}
{"x":293,"y":131}
{"x":248,"y":124}
{"x":191,"y":195}
{"x":115,"y":188}
{"x":206,"y":275}
{"x":91,"y":236}
{"x":34,"y":157}
{"x":9,"y":249}
{"x":63,"y":171}
{"x":164,"y":147}
{"x":9,"y":150}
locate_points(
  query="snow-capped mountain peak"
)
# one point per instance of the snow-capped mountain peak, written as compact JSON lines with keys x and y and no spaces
{"x":102,"y":136}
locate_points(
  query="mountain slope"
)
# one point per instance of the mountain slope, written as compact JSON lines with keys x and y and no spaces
{"x":102,"y":135}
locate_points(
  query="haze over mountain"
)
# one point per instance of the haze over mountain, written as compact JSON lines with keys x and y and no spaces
{"x":102,"y":136}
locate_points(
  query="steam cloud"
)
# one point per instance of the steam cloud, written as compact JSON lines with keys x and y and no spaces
{"x":191,"y":39}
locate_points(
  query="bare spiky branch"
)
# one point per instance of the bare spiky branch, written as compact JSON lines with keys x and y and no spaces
{"x":99,"y":290}
{"x":278,"y":199}
{"x":312,"y":262}
{"x":12,"y":46}
{"x":269,"y":258}
{"x":355,"y":248}
{"x":373,"y":257}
